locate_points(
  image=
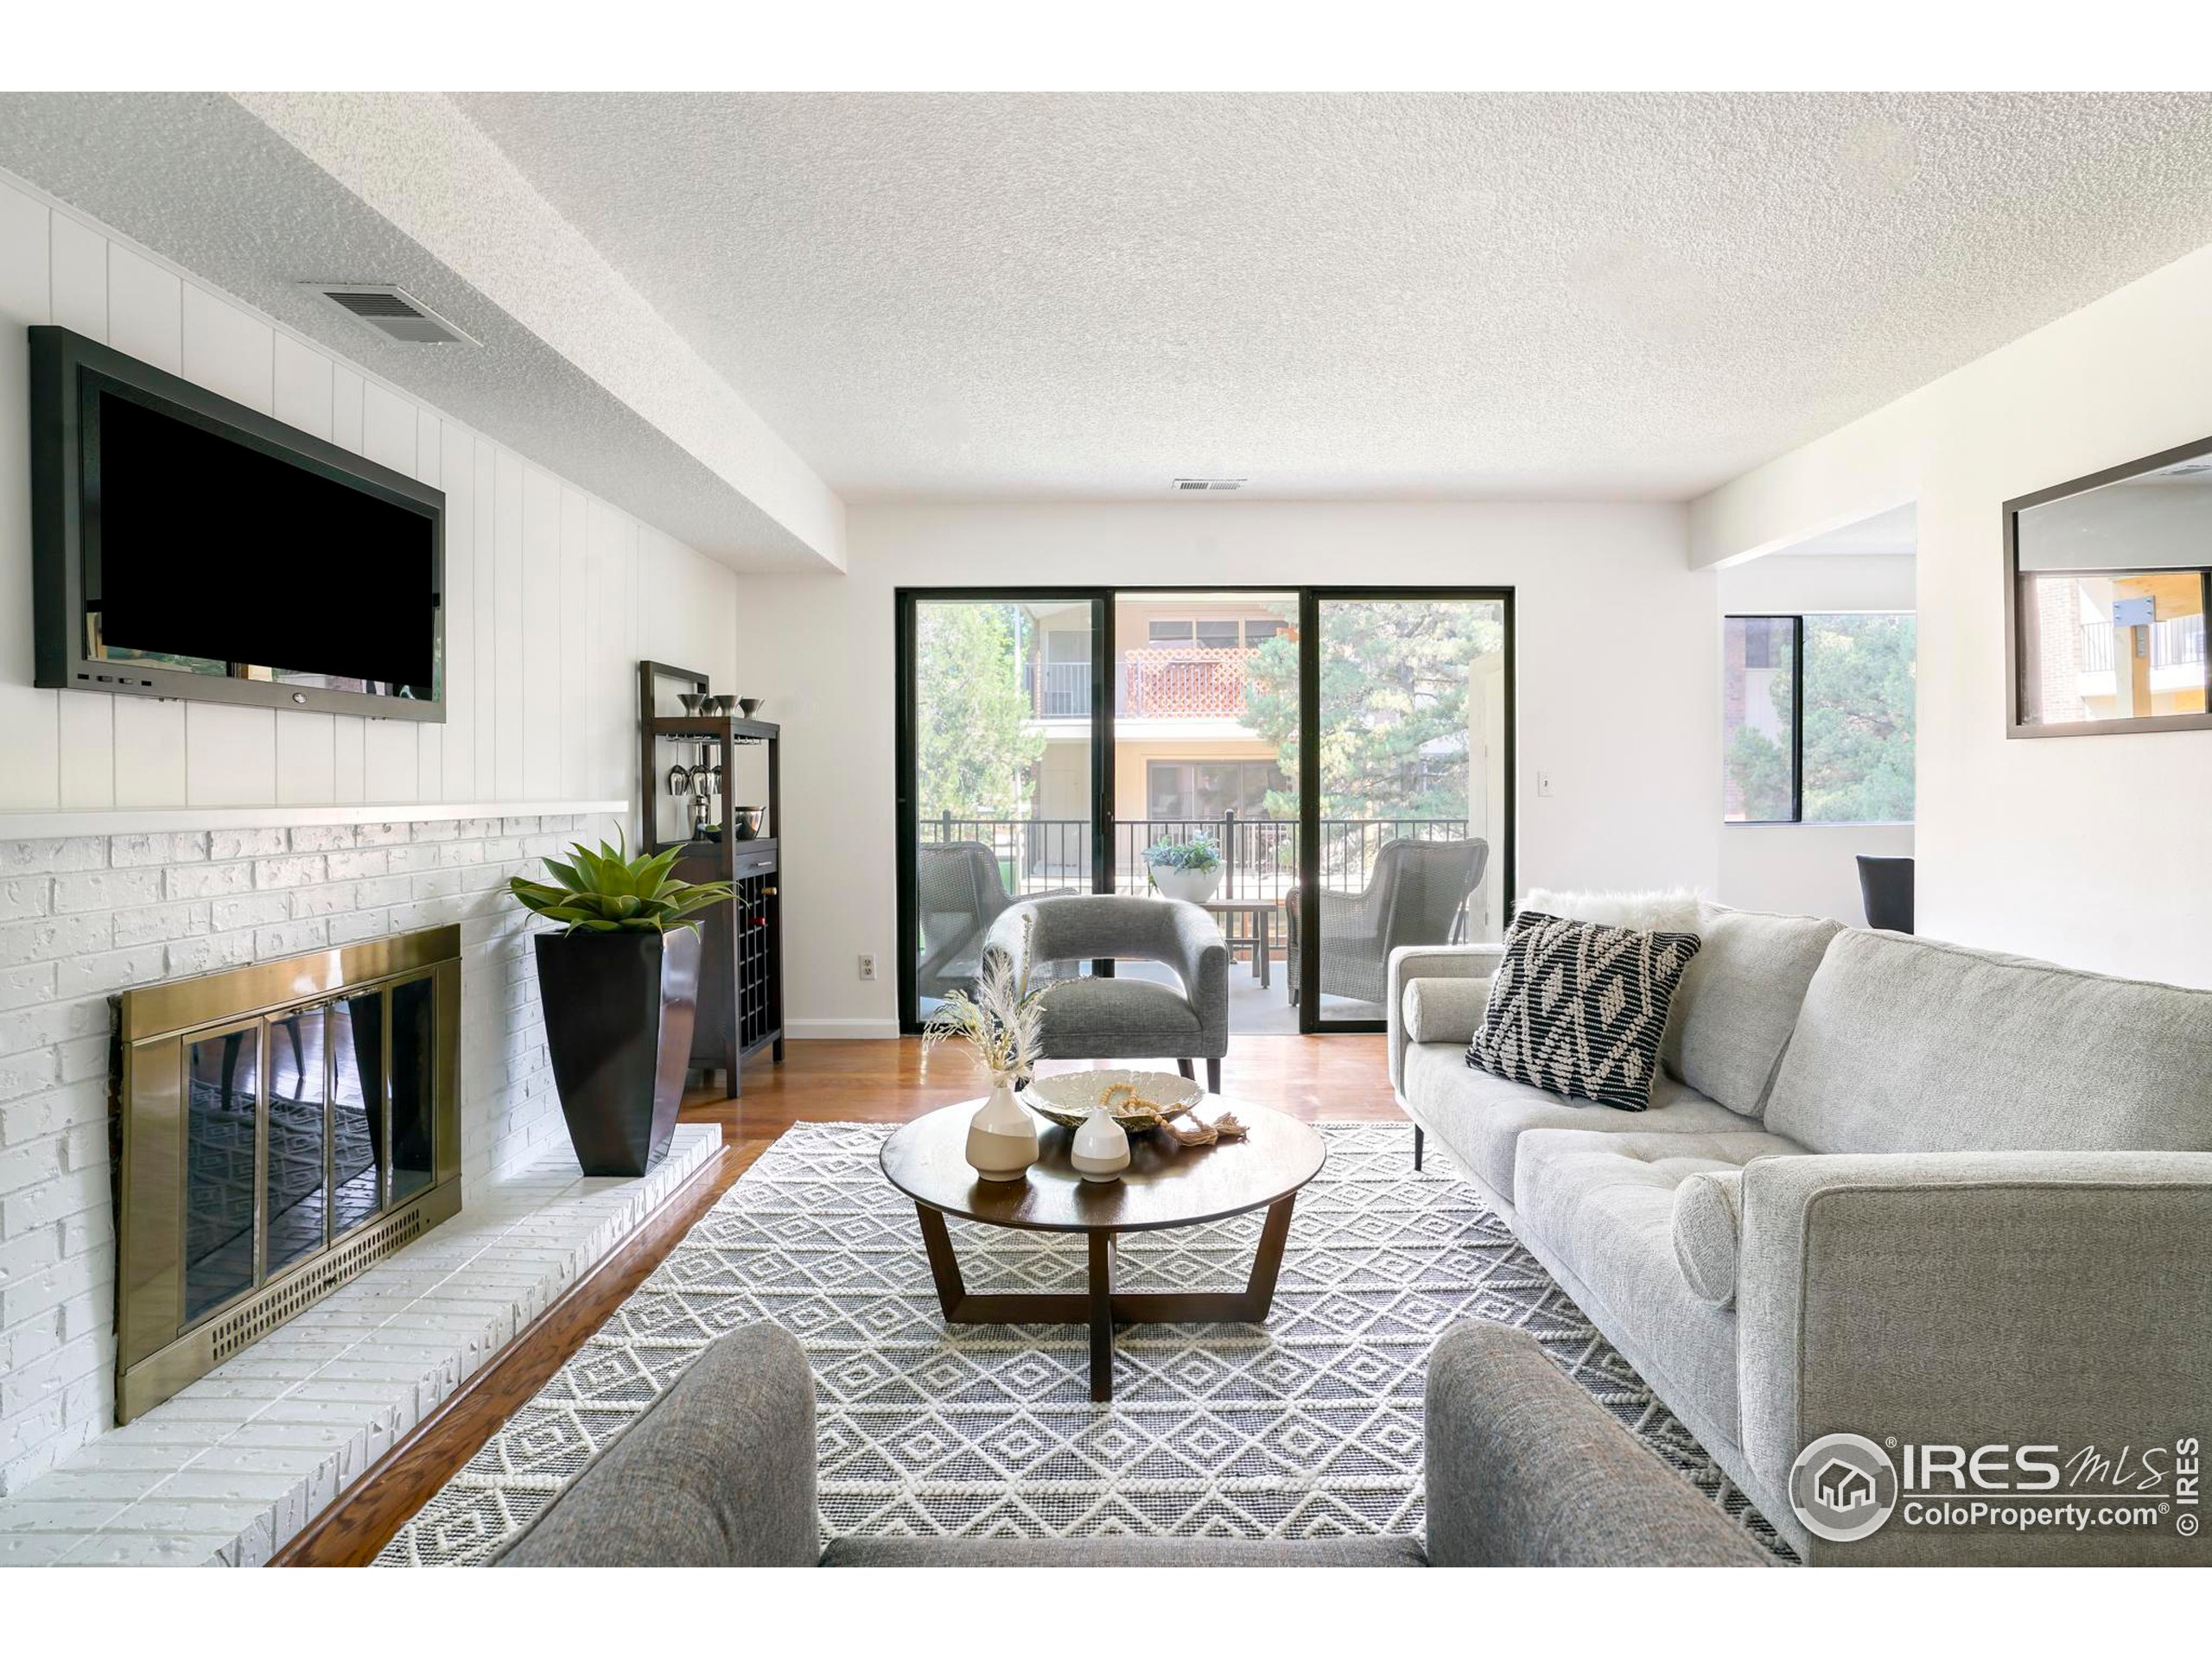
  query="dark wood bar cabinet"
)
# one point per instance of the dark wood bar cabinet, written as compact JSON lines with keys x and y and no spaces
{"x":690,"y":767}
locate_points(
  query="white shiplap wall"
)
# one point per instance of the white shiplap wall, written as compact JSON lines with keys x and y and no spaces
{"x":552,"y":594}
{"x":551,"y":597}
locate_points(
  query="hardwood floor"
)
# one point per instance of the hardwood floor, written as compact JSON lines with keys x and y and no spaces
{"x":1311,"y":1077}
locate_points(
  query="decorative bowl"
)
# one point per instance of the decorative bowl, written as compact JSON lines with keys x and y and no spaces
{"x":694,"y":701}
{"x":1066,"y":1097}
{"x":749,"y":706}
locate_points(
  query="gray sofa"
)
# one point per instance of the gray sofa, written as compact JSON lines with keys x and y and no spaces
{"x":1523,"y":1469}
{"x":1126,"y":1018}
{"x":1886,"y":1186}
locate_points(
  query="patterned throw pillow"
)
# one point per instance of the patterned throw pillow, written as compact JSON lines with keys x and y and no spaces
{"x":1577,"y":1009}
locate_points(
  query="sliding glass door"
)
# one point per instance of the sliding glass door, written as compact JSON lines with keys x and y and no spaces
{"x":1060,"y":740}
{"x":1000,"y":772}
{"x":1408,"y":839}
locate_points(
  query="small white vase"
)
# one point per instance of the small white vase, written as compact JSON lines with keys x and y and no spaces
{"x":1001,"y":1136}
{"x":1195,"y":886}
{"x":1101,"y":1151}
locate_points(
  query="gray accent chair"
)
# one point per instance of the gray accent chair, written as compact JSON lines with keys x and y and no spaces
{"x":1524,"y":1470}
{"x":1117,"y":1018}
{"x":1885,"y":1187}
{"x":1414,"y":897}
{"x":958,"y":894}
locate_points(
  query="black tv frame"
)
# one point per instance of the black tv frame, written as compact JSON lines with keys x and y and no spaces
{"x":65,"y":367}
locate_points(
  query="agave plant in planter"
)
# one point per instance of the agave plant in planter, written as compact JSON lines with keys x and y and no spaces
{"x":619,"y":982}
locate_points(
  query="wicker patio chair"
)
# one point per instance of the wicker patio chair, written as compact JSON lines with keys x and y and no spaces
{"x":959,"y":893}
{"x":1414,"y":897}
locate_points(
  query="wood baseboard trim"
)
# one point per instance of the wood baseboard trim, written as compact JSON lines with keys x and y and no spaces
{"x":368,"y":1514}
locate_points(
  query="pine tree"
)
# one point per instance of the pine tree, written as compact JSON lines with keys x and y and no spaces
{"x":1394,"y":698}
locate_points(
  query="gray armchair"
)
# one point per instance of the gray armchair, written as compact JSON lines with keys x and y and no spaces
{"x":1524,"y":1470}
{"x":1414,"y":897}
{"x":1121,"y":1018}
{"x":958,"y":895}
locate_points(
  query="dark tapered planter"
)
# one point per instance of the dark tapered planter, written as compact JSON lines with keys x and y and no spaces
{"x":619,"y":1008}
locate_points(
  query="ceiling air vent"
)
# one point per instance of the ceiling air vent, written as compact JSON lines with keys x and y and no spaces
{"x":392,"y":313}
{"x":1209,"y":484}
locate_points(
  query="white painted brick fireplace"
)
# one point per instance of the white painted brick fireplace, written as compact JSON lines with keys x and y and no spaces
{"x":83,"y":916}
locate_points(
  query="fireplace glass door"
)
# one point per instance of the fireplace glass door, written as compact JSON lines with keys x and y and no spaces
{"x":356,"y":1120}
{"x":222,"y":1111}
{"x":414,"y":1051}
{"x":298,"y":1146}
{"x":302,"y":1126}
{"x":283,"y":1127}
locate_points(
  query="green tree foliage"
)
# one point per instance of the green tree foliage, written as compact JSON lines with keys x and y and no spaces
{"x":1760,"y":767}
{"x":1394,"y":698}
{"x":1859,"y":719}
{"x":1859,"y":728}
{"x":1759,"y":764}
{"x":972,"y":757}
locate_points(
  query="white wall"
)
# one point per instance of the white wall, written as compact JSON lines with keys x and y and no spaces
{"x":552,"y":595}
{"x":552,"y":598}
{"x":1809,"y":869}
{"x":2091,"y":851}
{"x":1783,"y":582}
{"x":1619,"y":695}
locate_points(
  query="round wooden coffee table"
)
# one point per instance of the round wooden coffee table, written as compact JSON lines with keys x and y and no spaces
{"x":1166,"y":1185}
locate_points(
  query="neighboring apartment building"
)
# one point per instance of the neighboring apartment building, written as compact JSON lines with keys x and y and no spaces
{"x":1184,"y":749}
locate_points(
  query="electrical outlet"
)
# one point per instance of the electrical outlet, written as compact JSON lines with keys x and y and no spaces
{"x":867,"y":964}
{"x":1543,"y":783}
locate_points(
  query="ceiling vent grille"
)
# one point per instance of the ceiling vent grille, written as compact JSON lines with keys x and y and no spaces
{"x":1182,"y":484}
{"x":391,"y":312}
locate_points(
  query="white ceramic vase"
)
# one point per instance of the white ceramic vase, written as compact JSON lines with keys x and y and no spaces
{"x":1195,"y":886}
{"x":1001,"y":1136}
{"x":1101,"y":1151}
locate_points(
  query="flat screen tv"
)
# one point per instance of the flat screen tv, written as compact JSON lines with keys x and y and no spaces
{"x":188,"y":546}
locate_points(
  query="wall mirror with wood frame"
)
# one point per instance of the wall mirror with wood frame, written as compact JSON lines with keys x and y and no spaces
{"x":2109,"y":581}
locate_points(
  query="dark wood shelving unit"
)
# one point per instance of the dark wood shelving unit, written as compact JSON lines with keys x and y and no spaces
{"x":741,"y":967}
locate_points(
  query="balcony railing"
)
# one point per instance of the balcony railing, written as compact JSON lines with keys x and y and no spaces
{"x":2177,"y":642}
{"x":1183,"y":682}
{"x":1063,"y":690}
{"x":2096,"y":648}
{"x":1259,"y":856}
{"x":1151,"y":683}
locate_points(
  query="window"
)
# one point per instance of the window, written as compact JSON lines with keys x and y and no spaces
{"x":1843,"y":753}
{"x":1217,"y":635}
{"x":1199,"y":790}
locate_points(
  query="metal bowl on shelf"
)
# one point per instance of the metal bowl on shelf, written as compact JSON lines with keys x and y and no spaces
{"x":745,"y":821}
{"x":694,"y":701}
{"x":748,"y":706}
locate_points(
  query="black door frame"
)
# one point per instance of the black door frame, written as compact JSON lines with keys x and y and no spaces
{"x":908,"y":831}
{"x":1310,"y":598}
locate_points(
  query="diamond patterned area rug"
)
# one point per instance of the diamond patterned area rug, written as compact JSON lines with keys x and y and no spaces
{"x":1308,"y":1426}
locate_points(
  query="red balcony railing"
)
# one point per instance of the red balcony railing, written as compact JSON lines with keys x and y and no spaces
{"x":1152,"y":683}
{"x":1184,"y":683}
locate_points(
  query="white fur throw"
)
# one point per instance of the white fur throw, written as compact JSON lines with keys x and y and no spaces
{"x":1672,"y":912}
